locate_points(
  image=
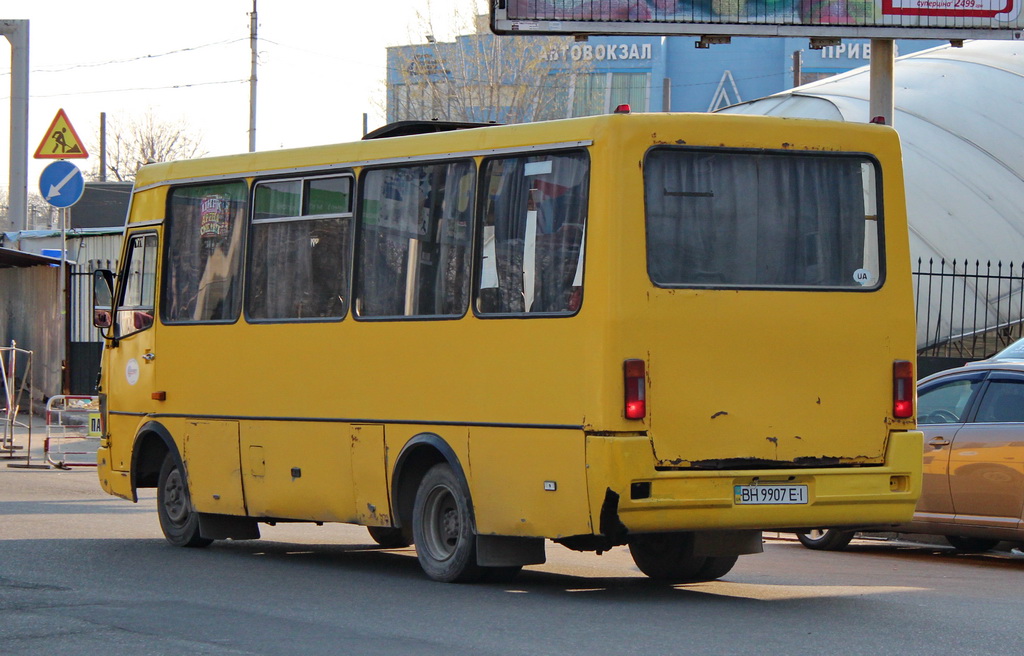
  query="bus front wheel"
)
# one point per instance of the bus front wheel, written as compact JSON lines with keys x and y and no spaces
{"x":178,"y":519}
{"x":669,"y":557}
{"x":442,"y":528}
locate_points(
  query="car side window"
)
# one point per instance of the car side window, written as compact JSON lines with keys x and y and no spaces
{"x":1003,"y":402}
{"x":946,"y":403}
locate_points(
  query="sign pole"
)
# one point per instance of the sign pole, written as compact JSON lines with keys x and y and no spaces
{"x":63,"y":295}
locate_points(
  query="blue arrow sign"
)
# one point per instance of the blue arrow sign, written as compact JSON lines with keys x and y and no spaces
{"x":61,"y":184}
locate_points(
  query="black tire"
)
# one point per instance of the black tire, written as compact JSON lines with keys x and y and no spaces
{"x":442,"y":528}
{"x":387,"y":537}
{"x":178,"y":519}
{"x":667,"y":557}
{"x":715,"y":568}
{"x":971,"y":545}
{"x":828,"y":539}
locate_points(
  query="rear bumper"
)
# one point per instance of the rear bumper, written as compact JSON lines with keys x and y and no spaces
{"x":705,"y":500}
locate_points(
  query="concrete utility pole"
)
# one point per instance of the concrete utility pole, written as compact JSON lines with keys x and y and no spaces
{"x":103,"y":146}
{"x":881,"y":102}
{"x":16,"y":32}
{"x":252,"y":79}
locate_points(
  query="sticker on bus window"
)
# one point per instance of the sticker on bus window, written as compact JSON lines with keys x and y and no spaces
{"x":863,"y":277}
{"x":215,"y":216}
{"x":537,"y":168}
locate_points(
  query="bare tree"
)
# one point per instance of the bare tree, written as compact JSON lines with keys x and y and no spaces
{"x":131,"y":143}
{"x":40,"y":214}
{"x":482,"y":77}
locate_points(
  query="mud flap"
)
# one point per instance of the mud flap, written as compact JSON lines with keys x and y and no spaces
{"x":727,"y":543}
{"x":508,"y":551}
{"x":225,"y":527}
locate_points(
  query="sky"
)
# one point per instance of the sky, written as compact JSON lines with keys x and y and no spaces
{"x":321,"y":66}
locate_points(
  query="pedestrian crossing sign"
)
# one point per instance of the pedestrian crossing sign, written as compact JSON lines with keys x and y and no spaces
{"x":61,"y":141}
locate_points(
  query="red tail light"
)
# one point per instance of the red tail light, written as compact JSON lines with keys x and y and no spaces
{"x":636,"y":389}
{"x":902,"y":389}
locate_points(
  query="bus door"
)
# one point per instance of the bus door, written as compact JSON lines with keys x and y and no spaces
{"x":131,"y":355}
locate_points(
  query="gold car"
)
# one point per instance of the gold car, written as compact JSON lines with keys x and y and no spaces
{"x":973,"y":489}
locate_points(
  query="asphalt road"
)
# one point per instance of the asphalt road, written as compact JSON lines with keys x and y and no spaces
{"x":82,"y":573}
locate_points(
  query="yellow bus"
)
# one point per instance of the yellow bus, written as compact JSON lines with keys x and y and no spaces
{"x":663,"y":331}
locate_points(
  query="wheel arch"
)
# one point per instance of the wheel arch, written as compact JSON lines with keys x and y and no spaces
{"x":414,"y":460}
{"x":152,"y":443}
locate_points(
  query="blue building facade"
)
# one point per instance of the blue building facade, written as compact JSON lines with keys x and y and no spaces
{"x":682,"y":78}
{"x":665,"y":73}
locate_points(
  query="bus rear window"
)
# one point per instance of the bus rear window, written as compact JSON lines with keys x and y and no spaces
{"x":719,"y":218}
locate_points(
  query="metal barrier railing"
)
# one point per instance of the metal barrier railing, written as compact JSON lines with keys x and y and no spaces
{"x":14,"y":394}
{"x":72,"y":431}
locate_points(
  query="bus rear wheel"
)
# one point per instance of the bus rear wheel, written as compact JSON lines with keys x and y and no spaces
{"x":442,"y":528}
{"x":178,"y":519}
{"x":668,"y":557}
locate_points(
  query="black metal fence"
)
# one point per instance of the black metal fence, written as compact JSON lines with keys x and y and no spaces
{"x":85,"y":343}
{"x":967,"y":310}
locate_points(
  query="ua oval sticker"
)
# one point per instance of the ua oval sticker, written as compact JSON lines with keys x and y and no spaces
{"x":131,"y":371}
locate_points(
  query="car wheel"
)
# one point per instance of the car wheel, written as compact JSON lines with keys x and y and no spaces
{"x":825,"y":539}
{"x":442,"y":528}
{"x":971,"y":545}
{"x":178,"y":519}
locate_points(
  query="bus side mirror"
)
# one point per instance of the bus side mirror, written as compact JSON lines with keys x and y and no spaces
{"x":102,"y":298}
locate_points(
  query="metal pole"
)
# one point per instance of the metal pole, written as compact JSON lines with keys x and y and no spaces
{"x":103,"y":146}
{"x":883,"y":58}
{"x":797,"y":68}
{"x":16,"y":32}
{"x":7,"y":441}
{"x":63,"y":297}
{"x":252,"y":79}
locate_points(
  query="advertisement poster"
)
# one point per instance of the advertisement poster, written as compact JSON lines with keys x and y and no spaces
{"x":997,"y":19}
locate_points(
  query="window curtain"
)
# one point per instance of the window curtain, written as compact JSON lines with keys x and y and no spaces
{"x":754,"y":219}
{"x":534,"y":221}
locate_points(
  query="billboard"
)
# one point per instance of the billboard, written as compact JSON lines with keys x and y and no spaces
{"x":881,"y":19}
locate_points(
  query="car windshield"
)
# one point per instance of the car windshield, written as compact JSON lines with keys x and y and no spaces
{"x":1014,"y":351}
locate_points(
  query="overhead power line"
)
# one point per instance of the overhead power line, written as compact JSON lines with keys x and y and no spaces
{"x":129,"y":60}
{"x":170,"y":86}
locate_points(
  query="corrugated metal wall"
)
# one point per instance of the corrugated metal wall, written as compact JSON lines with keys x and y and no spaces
{"x":30,"y":316}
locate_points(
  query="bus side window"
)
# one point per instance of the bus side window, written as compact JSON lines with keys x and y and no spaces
{"x":414,"y":241}
{"x":534,"y":221}
{"x":300,"y":249}
{"x":135,"y":306}
{"x":202,"y":281}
